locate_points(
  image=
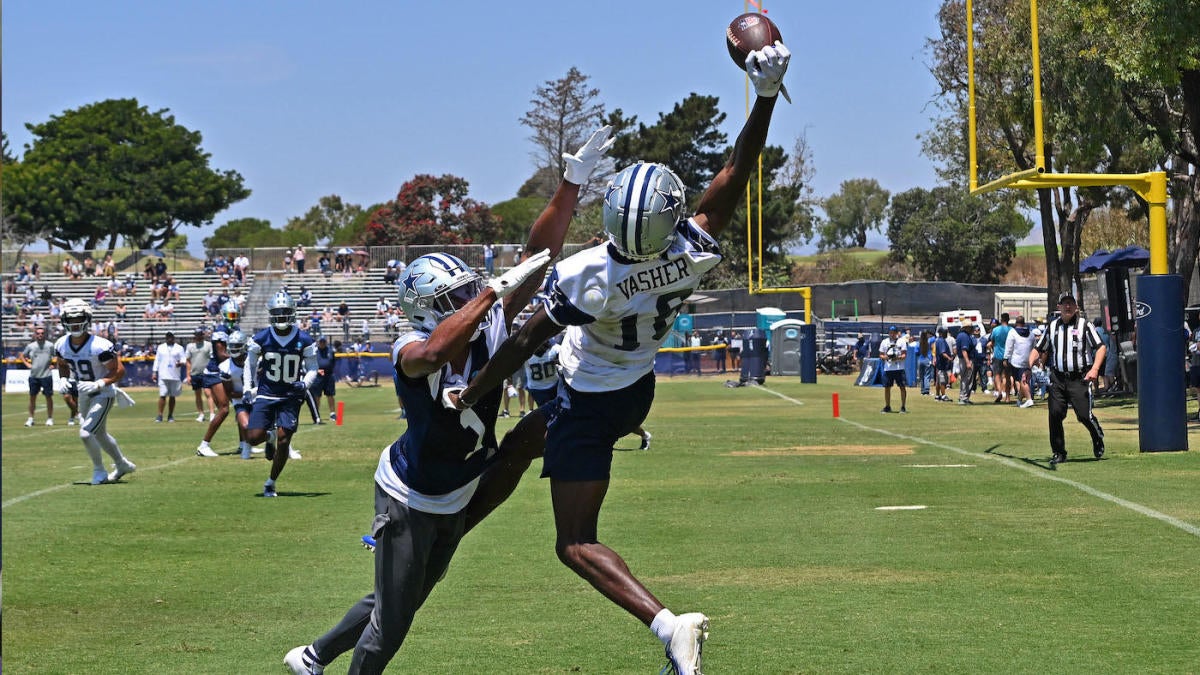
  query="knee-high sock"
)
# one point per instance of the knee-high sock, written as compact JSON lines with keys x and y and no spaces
{"x":92,"y":445}
{"x":109,"y":445}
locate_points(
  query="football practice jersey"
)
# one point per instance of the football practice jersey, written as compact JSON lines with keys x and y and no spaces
{"x":541,"y":371}
{"x":231,"y":372}
{"x":618,"y":312}
{"x":280,"y":360}
{"x":89,"y":361}
{"x":435,"y":465}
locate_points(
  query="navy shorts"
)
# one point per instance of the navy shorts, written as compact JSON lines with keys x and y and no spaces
{"x":891,"y":377}
{"x":1193,"y":377}
{"x":1021,"y":374}
{"x":275,"y":412}
{"x":582,"y":428}
{"x":41,"y":385}
{"x":209,"y":380}
{"x":198,"y":382}
{"x":324,"y":384}
{"x":396,"y":384}
{"x":542,"y":396}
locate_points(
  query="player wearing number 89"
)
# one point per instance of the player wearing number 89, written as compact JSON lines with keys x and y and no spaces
{"x":617,"y":303}
{"x":281,"y":363}
{"x":90,"y":364}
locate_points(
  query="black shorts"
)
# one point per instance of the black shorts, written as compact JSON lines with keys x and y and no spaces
{"x":324,"y":384}
{"x":542,"y":396}
{"x":198,"y":382}
{"x":582,"y":428}
{"x":41,"y":385}
{"x":891,"y":377}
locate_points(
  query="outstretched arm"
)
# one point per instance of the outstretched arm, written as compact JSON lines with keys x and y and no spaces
{"x":550,"y":228}
{"x":512,"y":355}
{"x":766,"y":69}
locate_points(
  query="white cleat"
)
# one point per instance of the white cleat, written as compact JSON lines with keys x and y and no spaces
{"x":296,"y":660}
{"x":121,"y":470}
{"x":292,"y":454}
{"x":29,"y":422}
{"x":200,"y":417}
{"x":645,"y":442}
{"x":205,"y":450}
{"x":50,"y":422}
{"x":687,"y":643}
{"x":99,"y":477}
{"x":71,"y":421}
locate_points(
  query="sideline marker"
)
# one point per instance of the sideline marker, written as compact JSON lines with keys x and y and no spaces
{"x":835,"y":406}
{"x":341,"y":407}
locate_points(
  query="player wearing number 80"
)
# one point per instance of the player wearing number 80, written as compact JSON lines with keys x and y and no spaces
{"x":281,"y":364}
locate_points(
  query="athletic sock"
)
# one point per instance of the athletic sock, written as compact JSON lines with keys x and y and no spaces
{"x":109,"y":444}
{"x":310,"y":657}
{"x":663,"y":625}
{"x":92,"y":445}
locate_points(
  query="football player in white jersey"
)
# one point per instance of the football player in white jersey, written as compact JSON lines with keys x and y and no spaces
{"x":617,"y":304}
{"x":431,"y":484}
{"x":89,"y":364}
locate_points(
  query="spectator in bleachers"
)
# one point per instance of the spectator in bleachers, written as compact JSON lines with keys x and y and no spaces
{"x":109,"y":269}
{"x":323,"y":264}
{"x":35,"y":271}
{"x":100,"y":297}
{"x":22,"y":273}
{"x":37,"y":320}
{"x":327,"y":314}
{"x":172,"y":288}
{"x":148,"y":269}
{"x":45,"y":296}
{"x":241,"y":265}
{"x":119,"y":311}
{"x":150,"y":311}
{"x":382,"y":307}
{"x":305,"y":299}
{"x":220,"y":265}
{"x":287,"y":261}
{"x":314,"y":322}
{"x":226,"y":280}
{"x":10,"y":285}
{"x":222,"y":298}
{"x":365,"y":331}
{"x":209,"y":303}
{"x":130,"y":285}
{"x":160,"y":269}
{"x":238,"y":299}
{"x":391,"y":273}
{"x":339,"y":262}
{"x":167,"y":310}
{"x":210,"y":265}
{"x":114,"y":287}
{"x":392,"y":322}
{"x":89,"y":266}
{"x":298,"y":258}
{"x":10,"y":305}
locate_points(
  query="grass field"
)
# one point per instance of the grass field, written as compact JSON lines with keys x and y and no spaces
{"x":753,"y":505}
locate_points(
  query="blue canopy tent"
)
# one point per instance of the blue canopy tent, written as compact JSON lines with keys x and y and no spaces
{"x":1128,"y":257}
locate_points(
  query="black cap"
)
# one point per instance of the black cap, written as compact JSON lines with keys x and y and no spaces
{"x":322,"y":339}
{"x":1066,"y":297}
{"x":169,"y":334}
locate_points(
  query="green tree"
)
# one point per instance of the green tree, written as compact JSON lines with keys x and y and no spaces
{"x":516,"y":216}
{"x":432,"y":210}
{"x":563,"y":113}
{"x":949,"y":235}
{"x":255,"y":232}
{"x":178,"y":243}
{"x":114,"y":169}
{"x":6,"y":156}
{"x":328,"y":216}
{"x":688,"y":139}
{"x":857,"y":208}
{"x":354,"y":232}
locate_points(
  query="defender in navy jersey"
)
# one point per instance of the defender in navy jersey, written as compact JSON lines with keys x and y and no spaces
{"x":617,"y":304}
{"x":89,"y":365}
{"x":281,"y":365}
{"x":447,"y":471}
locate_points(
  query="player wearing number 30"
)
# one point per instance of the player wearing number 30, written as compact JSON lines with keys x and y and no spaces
{"x":281,"y":364}
{"x":89,"y":363}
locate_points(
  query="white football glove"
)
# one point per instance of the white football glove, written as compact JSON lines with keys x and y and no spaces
{"x":64,"y":386}
{"x":509,"y":281}
{"x":87,"y":388}
{"x":766,"y":68}
{"x":581,"y":164}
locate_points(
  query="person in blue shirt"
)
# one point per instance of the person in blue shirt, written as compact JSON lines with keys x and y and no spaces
{"x":326,"y":382}
{"x":943,"y":364}
{"x":281,"y":365}
{"x":964,"y":349}
{"x":1000,"y":370}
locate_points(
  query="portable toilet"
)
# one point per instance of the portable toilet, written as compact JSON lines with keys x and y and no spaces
{"x":768,"y":316}
{"x":792,"y":344}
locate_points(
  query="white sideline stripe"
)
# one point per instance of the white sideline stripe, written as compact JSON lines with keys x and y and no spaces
{"x":910,"y":507}
{"x":56,"y":488}
{"x":1040,"y":473}
{"x":938,"y":466}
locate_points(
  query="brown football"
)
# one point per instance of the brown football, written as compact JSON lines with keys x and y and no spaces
{"x":747,"y":33}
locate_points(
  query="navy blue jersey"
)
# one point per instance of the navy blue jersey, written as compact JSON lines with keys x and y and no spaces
{"x":325,"y":359}
{"x":436,"y":463}
{"x":279,"y":361}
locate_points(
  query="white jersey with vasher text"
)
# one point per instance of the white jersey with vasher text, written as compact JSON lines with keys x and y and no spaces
{"x":541,"y":370}
{"x":89,"y":362}
{"x":618,"y":312}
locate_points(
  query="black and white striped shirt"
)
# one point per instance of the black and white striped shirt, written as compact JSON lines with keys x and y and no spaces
{"x":1070,"y":346}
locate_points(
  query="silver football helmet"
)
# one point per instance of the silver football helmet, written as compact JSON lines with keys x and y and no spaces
{"x":642,"y":206}
{"x":435,"y":286}
{"x":282,"y":311}
{"x":76,"y":317}
{"x":236,"y":343}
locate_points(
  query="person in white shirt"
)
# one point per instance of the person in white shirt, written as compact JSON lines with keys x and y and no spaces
{"x":1017,"y":345}
{"x":616,"y":304}
{"x":167,"y":359}
{"x":893,"y":353}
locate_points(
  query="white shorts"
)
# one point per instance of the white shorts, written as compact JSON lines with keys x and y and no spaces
{"x":170,"y":387}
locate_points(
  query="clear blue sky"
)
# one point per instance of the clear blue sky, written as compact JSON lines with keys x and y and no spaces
{"x":311,"y":98}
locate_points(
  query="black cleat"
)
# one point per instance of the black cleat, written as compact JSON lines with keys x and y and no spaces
{"x":1057,"y":458}
{"x":1098,"y":451}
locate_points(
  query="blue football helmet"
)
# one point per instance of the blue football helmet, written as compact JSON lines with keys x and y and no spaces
{"x":435,"y":286}
{"x":642,"y":206}
{"x":282,"y":311}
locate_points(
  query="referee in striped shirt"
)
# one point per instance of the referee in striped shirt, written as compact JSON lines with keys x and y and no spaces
{"x":1075,"y":354}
